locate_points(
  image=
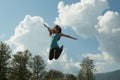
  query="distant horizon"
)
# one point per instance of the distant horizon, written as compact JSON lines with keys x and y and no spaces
{"x":108,"y":71}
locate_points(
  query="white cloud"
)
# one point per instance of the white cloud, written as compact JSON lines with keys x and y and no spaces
{"x":103,"y":62}
{"x":109,"y":34}
{"x":82,"y":16}
{"x":106,"y":66}
{"x":65,"y":64}
{"x":93,"y":56}
{"x":30,"y":34}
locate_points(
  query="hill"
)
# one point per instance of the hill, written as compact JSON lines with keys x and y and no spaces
{"x":115,"y":75}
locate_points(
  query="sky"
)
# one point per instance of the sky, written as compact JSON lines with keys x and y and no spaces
{"x":96,"y":24}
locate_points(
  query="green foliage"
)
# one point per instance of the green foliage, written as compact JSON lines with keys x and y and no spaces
{"x":38,"y":68}
{"x":87,"y":70}
{"x":54,"y":75}
{"x":20,"y":66}
{"x":4,"y":59}
{"x":70,"y":77}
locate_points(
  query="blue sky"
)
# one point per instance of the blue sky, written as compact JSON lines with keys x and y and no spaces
{"x":14,"y":11}
{"x":90,"y":42}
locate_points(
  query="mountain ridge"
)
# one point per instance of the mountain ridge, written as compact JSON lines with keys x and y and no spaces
{"x":114,"y":75}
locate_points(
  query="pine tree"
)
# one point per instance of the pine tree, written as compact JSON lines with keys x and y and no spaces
{"x":4,"y":59}
{"x":87,"y":70}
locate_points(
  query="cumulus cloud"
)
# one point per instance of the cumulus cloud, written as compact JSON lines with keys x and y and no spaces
{"x":30,"y":34}
{"x":108,"y":34}
{"x":102,"y":62}
{"x":93,"y":56}
{"x":65,"y":64}
{"x":81,"y":16}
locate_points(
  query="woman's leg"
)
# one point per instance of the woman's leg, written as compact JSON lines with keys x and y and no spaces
{"x":58,"y":52}
{"x":51,"y":54}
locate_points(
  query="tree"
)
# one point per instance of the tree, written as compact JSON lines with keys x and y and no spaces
{"x":4,"y":59}
{"x":20,"y":66}
{"x":87,"y":70}
{"x":38,"y":68}
{"x":54,"y":75}
{"x":70,"y":77}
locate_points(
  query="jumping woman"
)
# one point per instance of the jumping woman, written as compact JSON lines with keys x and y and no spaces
{"x":56,"y":34}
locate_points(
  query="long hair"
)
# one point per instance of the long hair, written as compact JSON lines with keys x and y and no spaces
{"x":58,"y":28}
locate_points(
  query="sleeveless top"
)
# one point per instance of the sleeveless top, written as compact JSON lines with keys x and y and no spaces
{"x":54,"y":39}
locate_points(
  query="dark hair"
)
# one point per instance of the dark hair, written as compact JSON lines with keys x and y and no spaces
{"x":59,"y":28}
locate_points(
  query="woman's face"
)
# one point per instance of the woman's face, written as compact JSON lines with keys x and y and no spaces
{"x":56,"y":30}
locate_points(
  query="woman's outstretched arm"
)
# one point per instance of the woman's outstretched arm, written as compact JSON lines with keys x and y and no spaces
{"x":68,"y":36}
{"x":50,"y":31}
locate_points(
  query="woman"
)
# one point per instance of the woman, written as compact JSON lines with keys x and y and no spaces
{"x":56,"y":34}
